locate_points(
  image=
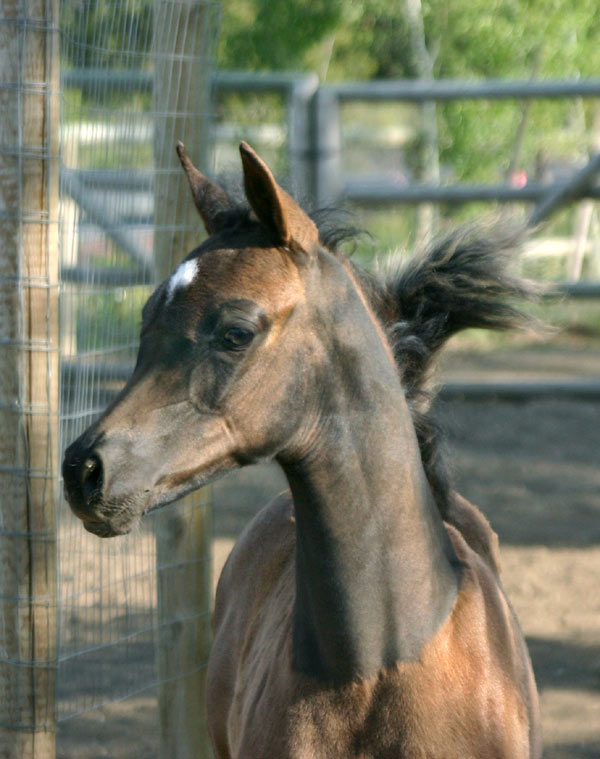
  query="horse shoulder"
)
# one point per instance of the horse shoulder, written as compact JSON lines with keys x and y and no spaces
{"x":475,"y":671}
{"x":257,"y":574}
{"x":480,"y":652}
{"x":477,"y":546}
{"x":252,"y":565}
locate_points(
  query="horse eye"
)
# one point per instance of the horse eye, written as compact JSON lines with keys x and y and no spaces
{"x":236,"y":338}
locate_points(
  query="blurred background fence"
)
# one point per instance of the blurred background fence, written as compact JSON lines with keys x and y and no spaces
{"x":104,"y":639}
{"x":353,"y":144}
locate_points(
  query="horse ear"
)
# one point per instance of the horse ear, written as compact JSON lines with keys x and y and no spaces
{"x":277,"y":210}
{"x":211,"y":201}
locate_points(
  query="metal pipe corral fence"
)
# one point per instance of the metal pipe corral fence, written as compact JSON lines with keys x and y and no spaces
{"x":313,"y":133}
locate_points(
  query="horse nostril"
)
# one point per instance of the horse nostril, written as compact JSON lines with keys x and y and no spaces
{"x":92,"y":476}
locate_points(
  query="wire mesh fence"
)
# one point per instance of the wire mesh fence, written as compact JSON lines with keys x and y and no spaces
{"x":123,"y":625}
{"x":28,"y":374}
{"x":85,"y":623}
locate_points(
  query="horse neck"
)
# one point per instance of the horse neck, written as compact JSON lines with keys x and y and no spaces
{"x":375,"y":572}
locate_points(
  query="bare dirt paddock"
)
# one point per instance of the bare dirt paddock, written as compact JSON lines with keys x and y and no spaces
{"x":533,"y":468}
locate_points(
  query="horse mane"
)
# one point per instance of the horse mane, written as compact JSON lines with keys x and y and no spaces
{"x":460,"y":281}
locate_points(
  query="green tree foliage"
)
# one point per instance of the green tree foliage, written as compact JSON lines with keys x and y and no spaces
{"x":358,"y":39}
{"x":276,"y":34}
{"x":106,"y":31}
{"x":362,"y":39}
{"x":484,"y":38}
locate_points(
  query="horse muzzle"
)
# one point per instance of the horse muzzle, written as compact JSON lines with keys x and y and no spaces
{"x":84,"y":476}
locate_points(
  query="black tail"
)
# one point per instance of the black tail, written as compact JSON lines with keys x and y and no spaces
{"x":462,"y":281}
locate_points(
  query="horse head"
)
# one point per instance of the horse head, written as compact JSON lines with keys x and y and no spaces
{"x":231,"y":349}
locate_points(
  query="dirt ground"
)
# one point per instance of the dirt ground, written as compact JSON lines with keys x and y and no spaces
{"x":533,"y":468}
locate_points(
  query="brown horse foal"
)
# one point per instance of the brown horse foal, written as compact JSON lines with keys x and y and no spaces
{"x":360,"y":614}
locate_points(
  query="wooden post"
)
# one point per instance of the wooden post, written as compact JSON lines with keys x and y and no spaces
{"x":183,"y":45}
{"x":29,"y":135}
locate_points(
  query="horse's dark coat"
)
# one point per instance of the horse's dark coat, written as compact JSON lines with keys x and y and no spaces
{"x":350,"y":621}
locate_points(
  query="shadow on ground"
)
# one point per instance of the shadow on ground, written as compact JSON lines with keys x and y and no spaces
{"x":573,"y":751}
{"x":532,"y":467}
{"x":563,"y":664}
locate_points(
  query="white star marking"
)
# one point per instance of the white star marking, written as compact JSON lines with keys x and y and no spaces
{"x":182,"y":277}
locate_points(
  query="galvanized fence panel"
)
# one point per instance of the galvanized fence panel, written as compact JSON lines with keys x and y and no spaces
{"x":312,"y":135}
{"x":334,"y":184}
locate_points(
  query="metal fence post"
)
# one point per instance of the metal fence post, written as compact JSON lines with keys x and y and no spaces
{"x":328,"y":148}
{"x":298,"y":112}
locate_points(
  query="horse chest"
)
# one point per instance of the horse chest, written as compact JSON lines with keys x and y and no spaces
{"x":457,"y":701}
{"x":383,"y":719}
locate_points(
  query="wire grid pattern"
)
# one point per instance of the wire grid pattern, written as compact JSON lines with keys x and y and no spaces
{"x":112,"y":127}
{"x":28,"y":370}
